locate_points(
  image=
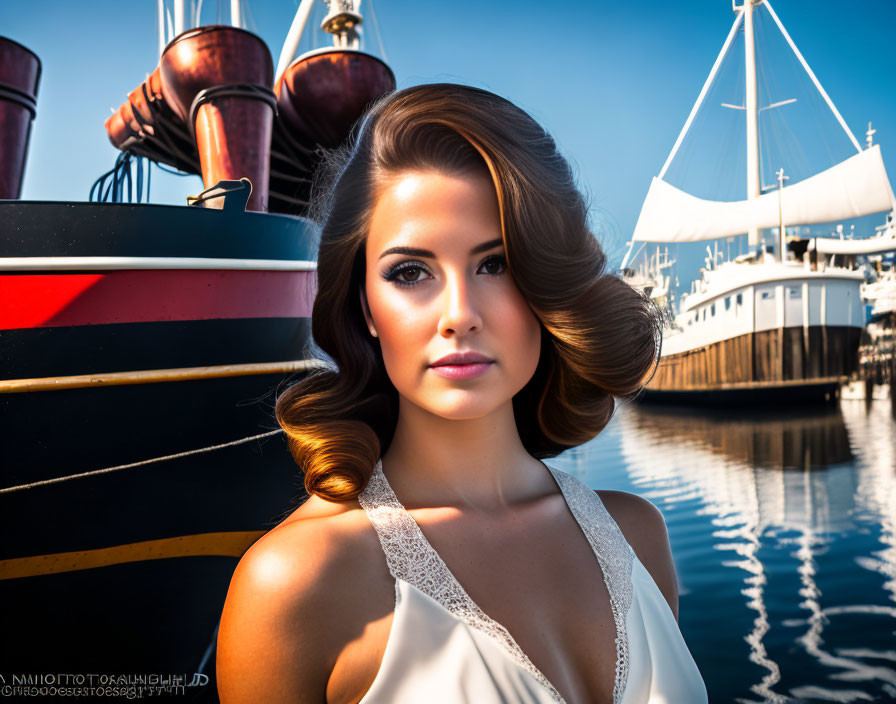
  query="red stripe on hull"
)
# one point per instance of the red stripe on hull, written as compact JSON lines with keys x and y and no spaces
{"x":135,"y":296}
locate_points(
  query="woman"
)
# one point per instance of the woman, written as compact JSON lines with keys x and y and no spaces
{"x":474,"y":331}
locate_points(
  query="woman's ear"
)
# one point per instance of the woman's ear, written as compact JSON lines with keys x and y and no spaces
{"x":366,"y":310}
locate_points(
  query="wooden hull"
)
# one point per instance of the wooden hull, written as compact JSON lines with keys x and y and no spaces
{"x":780,"y":364}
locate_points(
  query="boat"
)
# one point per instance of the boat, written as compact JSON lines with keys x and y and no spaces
{"x":877,"y":348}
{"x":142,"y":347}
{"x":780,"y":323}
{"x":881,"y":292}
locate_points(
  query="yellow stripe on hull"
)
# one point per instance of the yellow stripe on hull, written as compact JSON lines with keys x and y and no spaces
{"x":227,"y":544}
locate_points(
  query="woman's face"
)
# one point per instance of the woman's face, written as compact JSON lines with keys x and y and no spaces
{"x":437,"y":284}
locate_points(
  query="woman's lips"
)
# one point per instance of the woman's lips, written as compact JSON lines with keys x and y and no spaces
{"x":462,"y":371}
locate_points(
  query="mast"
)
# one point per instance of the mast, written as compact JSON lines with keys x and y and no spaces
{"x":291,"y":45}
{"x":180,"y":17}
{"x":853,"y":187}
{"x":162,"y":37}
{"x":869,"y":136}
{"x":783,"y":243}
{"x":753,"y":189}
{"x":342,"y":22}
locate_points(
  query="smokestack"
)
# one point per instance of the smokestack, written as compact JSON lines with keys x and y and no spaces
{"x":324,"y":92}
{"x":19,"y":77}
{"x":218,"y":80}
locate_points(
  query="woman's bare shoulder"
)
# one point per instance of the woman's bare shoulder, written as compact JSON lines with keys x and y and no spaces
{"x":644,"y":527}
{"x":316,"y":507}
{"x":296,"y":598}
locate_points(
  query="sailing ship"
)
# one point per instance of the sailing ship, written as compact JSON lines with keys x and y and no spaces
{"x":142,"y":346}
{"x":775,"y":324}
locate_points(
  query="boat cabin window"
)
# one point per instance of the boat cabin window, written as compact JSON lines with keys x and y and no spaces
{"x":712,"y":309}
{"x":740,"y":299}
{"x":727,"y":302}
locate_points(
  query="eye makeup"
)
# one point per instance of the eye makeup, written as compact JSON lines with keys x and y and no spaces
{"x":393,"y":273}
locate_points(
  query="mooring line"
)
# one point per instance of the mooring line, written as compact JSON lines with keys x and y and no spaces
{"x":95,"y":472}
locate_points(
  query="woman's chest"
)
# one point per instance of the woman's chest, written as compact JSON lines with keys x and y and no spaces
{"x":539,"y":580}
{"x":542,"y":581}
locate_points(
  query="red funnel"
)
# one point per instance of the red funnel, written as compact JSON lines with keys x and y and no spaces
{"x":146,"y":125}
{"x":149,"y":90}
{"x":218,"y":79}
{"x":19,"y":78}
{"x":324,"y":92}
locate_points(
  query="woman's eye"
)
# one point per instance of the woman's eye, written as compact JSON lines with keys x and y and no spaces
{"x":411,"y":273}
{"x":496,"y":264}
{"x":406,"y":274}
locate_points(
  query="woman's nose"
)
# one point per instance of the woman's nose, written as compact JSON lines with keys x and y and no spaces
{"x":460,"y":310}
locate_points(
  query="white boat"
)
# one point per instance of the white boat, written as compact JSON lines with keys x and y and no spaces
{"x":880,"y":291}
{"x":883,"y":242}
{"x":782,"y":324}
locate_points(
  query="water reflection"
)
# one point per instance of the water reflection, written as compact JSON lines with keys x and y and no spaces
{"x":802,"y":506}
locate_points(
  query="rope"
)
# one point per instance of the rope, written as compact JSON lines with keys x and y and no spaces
{"x":210,"y":650}
{"x":103,"y":192}
{"x":96,"y":472}
{"x":376,"y":28}
{"x":164,"y":168}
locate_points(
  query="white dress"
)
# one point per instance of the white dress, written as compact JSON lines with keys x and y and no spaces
{"x":443,"y":649}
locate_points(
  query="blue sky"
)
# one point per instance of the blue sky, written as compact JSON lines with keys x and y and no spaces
{"x":613,"y":82}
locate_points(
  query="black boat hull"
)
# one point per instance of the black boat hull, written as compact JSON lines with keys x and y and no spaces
{"x":124,"y":572}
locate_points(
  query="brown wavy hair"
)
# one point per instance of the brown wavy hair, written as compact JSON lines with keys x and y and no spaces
{"x":600,"y":337}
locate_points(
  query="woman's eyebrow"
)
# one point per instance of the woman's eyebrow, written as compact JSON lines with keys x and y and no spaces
{"x":416,"y":252}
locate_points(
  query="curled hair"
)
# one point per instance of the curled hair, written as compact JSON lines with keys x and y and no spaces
{"x":599,"y":336}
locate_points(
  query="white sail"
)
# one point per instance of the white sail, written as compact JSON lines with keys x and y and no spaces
{"x":854,"y":187}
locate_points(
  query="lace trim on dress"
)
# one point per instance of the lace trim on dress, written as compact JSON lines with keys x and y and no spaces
{"x":614,"y":555}
{"x":412,"y":558}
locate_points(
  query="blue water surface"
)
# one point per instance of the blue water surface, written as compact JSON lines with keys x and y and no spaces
{"x":783,"y":530}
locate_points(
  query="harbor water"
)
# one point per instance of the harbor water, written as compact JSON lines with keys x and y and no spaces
{"x":783,"y":531}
